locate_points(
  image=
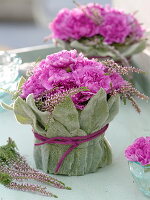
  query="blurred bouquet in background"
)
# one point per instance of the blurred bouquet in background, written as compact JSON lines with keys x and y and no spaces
{"x":99,"y":32}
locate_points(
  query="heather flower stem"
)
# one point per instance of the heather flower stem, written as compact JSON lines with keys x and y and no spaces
{"x":31,"y":188}
{"x":25,"y":170}
{"x":51,"y":100}
{"x":122,"y":58}
{"x":40,"y":175}
{"x":6,"y":180}
{"x":14,"y":168}
{"x":118,"y":54}
{"x":18,"y":175}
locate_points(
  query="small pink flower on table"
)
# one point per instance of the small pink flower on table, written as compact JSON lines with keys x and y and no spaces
{"x":139,"y":151}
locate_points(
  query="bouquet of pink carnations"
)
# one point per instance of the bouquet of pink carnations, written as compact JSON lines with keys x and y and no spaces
{"x":138,"y":155}
{"x":99,"y":32}
{"x":69,"y":100}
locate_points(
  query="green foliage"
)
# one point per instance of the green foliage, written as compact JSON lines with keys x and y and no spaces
{"x":66,"y":114}
{"x":14,"y":94}
{"x":8,"y":152}
{"x":21,"y":82}
{"x":113,"y":106}
{"x":18,"y":91}
{"x":42,"y":117}
{"x":5,"y":179}
{"x":6,"y":106}
{"x":91,"y":48}
{"x":95,"y":113}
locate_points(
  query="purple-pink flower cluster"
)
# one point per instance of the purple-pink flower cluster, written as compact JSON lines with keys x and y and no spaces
{"x":92,"y":19}
{"x":68,"y":69}
{"x":139,"y":151}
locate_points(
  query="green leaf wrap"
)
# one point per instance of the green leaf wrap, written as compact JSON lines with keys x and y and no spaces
{"x":67,"y":121}
{"x":101,"y":51}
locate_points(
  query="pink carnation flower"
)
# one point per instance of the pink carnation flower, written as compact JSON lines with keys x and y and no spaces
{"x":76,"y":23}
{"x":63,"y":59}
{"x":93,"y":78}
{"x":136,"y":29}
{"x":115,"y":27}
{"x":139,"y":151}
{"x":93,"y":19}
{"x":67,"y":70}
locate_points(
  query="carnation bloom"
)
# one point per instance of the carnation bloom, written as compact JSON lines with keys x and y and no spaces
{"x":63,"y":59}
{"x":93,"y":78}
{"x":115,"y":27}
{"x":66,"y":70}
{"x":139,"y":151}
{"x":75,"y":23}
{"x":112,"y":25}
{"x":136,"y":30}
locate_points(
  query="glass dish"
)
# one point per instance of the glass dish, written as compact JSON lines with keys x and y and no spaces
{"x":141,"y":175}
{"x":9,"y":74}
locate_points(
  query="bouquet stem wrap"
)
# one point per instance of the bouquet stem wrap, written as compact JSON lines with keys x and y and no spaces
{"x":73,"y":141}
{"x":67,"y":121}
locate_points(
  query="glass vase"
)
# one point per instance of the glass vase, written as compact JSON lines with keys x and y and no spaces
{"x":141,"y":175}
{"x":9,"y":74}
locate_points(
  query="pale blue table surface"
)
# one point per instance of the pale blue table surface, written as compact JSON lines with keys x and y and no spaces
{"x":112,"y":182}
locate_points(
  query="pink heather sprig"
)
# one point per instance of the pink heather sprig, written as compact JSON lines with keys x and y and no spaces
{"x":139,"y":151}
{"x":92,"y":19}
{"x":30,"y":188}
{"x":20,"y":166}
{"x":49,"y":99}
{"x":126,"y":91}
{"x":114,"y":67}
{"x":19,"y":169}
{"x":129,"y":92}
{"x":14,"y":168}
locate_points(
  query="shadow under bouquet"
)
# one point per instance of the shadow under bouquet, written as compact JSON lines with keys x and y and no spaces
{"x":69,"y":100}
{"x":99,"y":32}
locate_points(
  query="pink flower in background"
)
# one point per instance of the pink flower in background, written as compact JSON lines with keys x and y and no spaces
{"x":112,"y":25}
{"x":139,"y":151}
{"x":66,"y":70}
{"x":76,"y":23}
{"x":136,"y":29}
{"x":115,"y":27}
